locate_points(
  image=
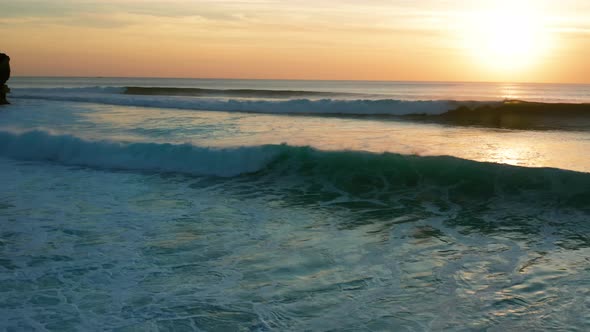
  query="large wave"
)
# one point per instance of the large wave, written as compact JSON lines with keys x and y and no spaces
{"x":181,"y":158}
{"x":350,"y":172}
{"x":117,"y":96}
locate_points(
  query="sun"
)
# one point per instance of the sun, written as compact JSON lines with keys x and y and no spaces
{"x":507,"y":36}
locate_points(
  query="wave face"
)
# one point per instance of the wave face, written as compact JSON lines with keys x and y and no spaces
{"x":117,"y":96}
{"x":185,"y":158}
{"x":360,"y":174}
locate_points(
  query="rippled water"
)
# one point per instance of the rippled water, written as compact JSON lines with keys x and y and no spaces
{"x":86,"y":248}
{"x":312,"y":240}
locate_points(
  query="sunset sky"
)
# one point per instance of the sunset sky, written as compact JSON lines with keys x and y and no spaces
{"x":439,"y":40}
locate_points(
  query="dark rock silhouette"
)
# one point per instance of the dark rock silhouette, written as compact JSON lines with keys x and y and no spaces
{"x":4,"y":76}
{"x":517,"y":114}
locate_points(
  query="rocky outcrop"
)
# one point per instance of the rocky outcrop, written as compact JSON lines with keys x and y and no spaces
{"x":4,"y":76}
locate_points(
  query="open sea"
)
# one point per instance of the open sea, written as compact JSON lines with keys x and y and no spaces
{"x":263,"y":205}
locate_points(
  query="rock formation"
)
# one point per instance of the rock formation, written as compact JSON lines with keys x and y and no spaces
{"x":4,"y":76}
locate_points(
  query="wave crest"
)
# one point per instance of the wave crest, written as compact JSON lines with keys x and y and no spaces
{"x":180,"y":158}
{"x":360,"y":174}
{"x":290,"y":106}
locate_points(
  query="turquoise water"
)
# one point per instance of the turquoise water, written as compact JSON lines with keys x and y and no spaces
{"x":134,"y":218}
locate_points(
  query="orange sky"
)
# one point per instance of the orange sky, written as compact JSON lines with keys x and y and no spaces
{"x":487,"y":40}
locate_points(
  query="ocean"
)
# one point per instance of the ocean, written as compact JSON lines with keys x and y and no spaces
{"x":263,"y":205}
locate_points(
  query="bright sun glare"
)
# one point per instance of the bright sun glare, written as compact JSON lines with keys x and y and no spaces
{"x":508,"y":36}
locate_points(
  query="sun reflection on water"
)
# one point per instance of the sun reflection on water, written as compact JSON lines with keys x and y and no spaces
{"x":514,"y":147}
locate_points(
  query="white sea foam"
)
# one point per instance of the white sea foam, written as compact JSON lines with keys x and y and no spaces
{"x":114,"y":96}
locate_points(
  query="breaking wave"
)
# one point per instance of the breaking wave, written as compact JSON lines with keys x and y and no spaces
{"x":181,"y":158}
{"x":117,"y":96}
{"x":352,"y":172}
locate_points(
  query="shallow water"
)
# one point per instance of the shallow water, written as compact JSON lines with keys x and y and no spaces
{"x":108,"y":222}
{"x":85,"y":248}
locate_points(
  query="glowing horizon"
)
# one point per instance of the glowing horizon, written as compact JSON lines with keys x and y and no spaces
{"x":516,"y":41}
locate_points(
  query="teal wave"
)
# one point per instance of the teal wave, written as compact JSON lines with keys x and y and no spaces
{"x":355,"y":173}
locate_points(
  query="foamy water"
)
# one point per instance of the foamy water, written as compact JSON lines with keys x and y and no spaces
{"x":147,"y":217}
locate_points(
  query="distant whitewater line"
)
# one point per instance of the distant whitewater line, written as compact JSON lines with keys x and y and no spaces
{"x":117,"y":96}
{"x":69,"y":91}
{"x":236,"y":93}
{"x":514,"y":114}
{"x":355,"y":172}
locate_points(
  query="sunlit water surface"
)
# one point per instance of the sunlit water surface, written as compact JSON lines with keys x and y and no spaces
{"x":93,"y":248}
